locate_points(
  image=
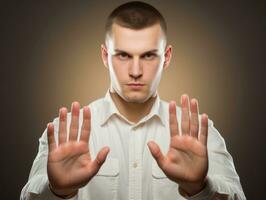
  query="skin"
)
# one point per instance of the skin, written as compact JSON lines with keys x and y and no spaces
{"x":132,"y":56}
{"x":69,"y":165}
{"x":135,"y":56}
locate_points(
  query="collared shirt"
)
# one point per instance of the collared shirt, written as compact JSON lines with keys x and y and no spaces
{"x":130,"y":172}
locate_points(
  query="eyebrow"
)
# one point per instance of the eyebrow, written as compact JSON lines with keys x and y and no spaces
{"x":150,"y":51}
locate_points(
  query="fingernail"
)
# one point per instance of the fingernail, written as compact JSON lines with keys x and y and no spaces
{"x":193,"y":101}
{"x":183,"y":98}
{"x":107,"y":149}
{"x":150,"y":144}
{"x":174,"y":103}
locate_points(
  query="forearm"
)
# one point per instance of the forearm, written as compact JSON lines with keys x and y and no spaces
{"x":37,"y":188}
{"x":227,"y":186}
{"x":218,"y":187}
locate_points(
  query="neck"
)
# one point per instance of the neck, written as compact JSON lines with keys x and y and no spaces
{"x":132,"y":111}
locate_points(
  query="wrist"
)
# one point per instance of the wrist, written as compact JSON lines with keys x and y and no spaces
{"x":64,"y":194}
{"x":190,"y":189}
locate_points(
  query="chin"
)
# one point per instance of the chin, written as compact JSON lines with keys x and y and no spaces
{"x":136,"y":98}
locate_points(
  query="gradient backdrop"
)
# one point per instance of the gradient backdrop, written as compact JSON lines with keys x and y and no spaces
{"x":50,"y":56}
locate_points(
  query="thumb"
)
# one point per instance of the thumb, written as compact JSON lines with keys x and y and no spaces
{"x":156,"y":153}
{"x":100,"y":159}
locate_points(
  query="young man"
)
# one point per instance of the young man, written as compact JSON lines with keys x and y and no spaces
{"x":130,"y":144}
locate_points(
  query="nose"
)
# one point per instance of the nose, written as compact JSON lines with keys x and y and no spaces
{"x":135,"y":69}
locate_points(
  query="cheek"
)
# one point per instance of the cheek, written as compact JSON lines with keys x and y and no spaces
{"x":120,"y":69}
{"x":115,"y":62}
{"x":151,"y":68}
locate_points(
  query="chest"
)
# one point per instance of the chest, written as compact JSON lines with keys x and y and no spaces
{"x":130,"y":172}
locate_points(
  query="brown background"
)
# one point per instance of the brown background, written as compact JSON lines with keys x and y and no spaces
{"x":50,"y":56}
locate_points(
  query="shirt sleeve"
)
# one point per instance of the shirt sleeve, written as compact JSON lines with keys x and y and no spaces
{"x":223,"y":181}
{"x":37,"y":187}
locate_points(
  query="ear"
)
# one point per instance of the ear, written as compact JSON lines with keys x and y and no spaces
{"x":104,"y":55}
{"x":167,"y":56}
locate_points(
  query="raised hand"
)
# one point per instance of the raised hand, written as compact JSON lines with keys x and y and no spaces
{"x":69,"y":165}
{"x":186,"y":162}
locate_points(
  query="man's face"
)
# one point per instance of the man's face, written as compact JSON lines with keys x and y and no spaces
{"x":135,"y":59}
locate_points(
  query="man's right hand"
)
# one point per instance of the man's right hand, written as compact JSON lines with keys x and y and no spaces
{"x":69,"y":165}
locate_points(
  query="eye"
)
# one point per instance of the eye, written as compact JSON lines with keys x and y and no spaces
{"x":149,"y":56}
{"x":123,"y":56}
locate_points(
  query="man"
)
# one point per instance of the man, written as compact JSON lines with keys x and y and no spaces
{"x":130,"y":144}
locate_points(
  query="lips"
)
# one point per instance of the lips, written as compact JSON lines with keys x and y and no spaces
{"x":135,"y":86}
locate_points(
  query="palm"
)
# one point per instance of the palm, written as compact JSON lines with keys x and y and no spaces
{"x":69,"y":165}
{"x":72,"y":169}
{"x":189,"y":163}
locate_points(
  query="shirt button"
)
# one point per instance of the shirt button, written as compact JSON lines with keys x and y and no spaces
{"x":135,"y":164}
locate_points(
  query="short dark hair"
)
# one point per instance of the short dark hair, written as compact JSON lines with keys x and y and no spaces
{"x":135,"y":15}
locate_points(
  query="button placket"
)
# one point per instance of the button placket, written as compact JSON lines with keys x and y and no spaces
{"x":135,"y":183}
{"x":138,"y":163}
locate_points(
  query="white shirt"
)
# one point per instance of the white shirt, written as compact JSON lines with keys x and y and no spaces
{"x":130,"y":172}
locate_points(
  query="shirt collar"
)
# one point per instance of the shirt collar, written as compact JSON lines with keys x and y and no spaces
{"x":110,"y":109}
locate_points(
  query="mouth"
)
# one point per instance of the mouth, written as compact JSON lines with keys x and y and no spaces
{"x":135,"y":86}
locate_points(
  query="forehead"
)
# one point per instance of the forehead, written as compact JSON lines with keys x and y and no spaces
{"x":134,"y":41}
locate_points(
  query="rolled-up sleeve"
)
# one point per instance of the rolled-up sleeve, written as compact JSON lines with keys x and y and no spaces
{"x":37,"y":187}
{"x":223,"y":181}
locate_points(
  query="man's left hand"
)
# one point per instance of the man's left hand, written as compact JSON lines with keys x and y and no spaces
{"x":186,"y":161}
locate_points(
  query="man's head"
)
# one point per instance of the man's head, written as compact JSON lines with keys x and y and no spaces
{"x":135,"y":51}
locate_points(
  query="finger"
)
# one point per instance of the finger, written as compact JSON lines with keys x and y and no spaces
{"x":86,"y":124}
{"x":50,"y":137}
{"x":172,"y":119}
{"x":204,"y":129}
{"x":74,"y":125}
{"x":62,"y":125}
{"x":185,"y":119}
{"x":100,"y":159}
{"x":156,"y":153}
{"x":194,"y":126}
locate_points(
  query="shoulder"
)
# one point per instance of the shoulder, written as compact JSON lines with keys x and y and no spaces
{"x":97,"y":104}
